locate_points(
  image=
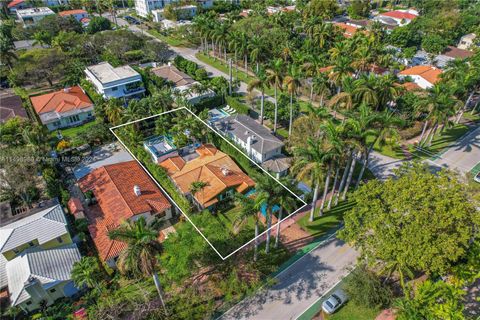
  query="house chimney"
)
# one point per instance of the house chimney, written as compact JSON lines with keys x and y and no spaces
{"x":66,"y":89}
{"x":137,"y":191}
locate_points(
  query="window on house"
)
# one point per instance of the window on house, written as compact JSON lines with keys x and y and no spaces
{"x":74,"y":118}
{"x":114,"y":88}
{"x":59,"y":239}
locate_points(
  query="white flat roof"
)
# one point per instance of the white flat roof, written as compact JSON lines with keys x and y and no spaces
{"x":105,"y":73}
{"x":30,"y":12}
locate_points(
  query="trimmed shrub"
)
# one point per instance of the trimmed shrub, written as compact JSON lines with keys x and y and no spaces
{"x":237,"y":105}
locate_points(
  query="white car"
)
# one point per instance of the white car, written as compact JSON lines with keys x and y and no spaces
{"x":477,"y":177}
{"x":334,"y":302}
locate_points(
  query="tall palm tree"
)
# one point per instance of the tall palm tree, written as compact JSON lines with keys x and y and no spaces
{"x":266,"y":189}
{"x":340,"y":71}
{"x":114,"y":111}
{"x":261,"y":83}
{"x":320,"y":87}
{"x":275,"y":78}
{"x":292,"y":82}
{"x":286,"y":201}
{"x":248,"y":210}
{"x":140,"y":256}
{"x":256,"y":48}
{"x":309,"y":164}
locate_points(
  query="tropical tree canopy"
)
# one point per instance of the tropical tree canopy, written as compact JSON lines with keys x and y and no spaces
{"x":420,"y":221}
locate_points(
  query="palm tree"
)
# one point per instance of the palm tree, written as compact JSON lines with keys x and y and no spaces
{"x":275,"y":78}
{"x":256,"y":47}
{"x":340,"y":71}
{"x":260,"y":83}
{"x":248,"y":210}
{"x":309,"y":164}
{"x":140,"y":256}
{"x":87,"y":273}
{"x":292,"y":82}
{"x":286,"y":201}
{"x":266,"y":189}
{"x":198,"y":186}
{"x":114,"y":111}
{"x":320,"y":87}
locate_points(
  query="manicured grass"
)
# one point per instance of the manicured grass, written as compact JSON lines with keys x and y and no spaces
{"x":442,"y":140}
{"x":351,"y":311}
{"x":330,"y":219}
{"x":475,"y":170}
{"x":170,"y":40}
{"x":392,"y":150}
{"x":72,"y":132}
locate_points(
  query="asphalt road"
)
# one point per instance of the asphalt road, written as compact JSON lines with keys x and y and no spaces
{"x":299,"y":286}
{"x":463,"y":155}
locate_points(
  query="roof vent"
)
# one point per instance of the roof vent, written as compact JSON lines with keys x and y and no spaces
{"x":137,"y":191}
{"x":225,"y":171}
{"x":66,"y":89}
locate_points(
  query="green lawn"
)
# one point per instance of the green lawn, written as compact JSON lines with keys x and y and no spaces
{"x":72,"y":132}
{"x":330,"y":219}
{"x":352,"y":311}
{"x":170,"y":40}
{"x":442,"y":140}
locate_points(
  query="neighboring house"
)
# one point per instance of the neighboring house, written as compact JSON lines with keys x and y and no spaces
{"x":11,"y":106}
{"x":64,"y":108}
{"x":160,"y":148}
{"x":278,"y":165}
{"x":401,"y":17}
{"x":223,"y":177}
{"x":257,"y":141}
{"x":420,"y":58}
{"x":184,"y":12}
{"x":40,"y":231}
{"x":451,"y":53}
{"x":39,"y":277}
{"x":424,"y":76}
{"x":144,"y":7}
{"x":183,"y":83}
{"x":121,"y":82}
{"x":28,"y":45}
{"x":124,"y":192}
{"x":78,"y":14}
{"x":347,"y":29}
{"x":467,"y":41}
{"x":15,"y":5}
{"x":32,"y":15}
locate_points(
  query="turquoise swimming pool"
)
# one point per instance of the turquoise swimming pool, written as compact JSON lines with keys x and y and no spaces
{"x":264,"y":206}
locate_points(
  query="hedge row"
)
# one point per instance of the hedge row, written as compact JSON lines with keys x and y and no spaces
{"x":237,"y":105}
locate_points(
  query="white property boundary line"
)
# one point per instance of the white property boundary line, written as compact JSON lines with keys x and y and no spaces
{"x":284,"y":270}
{"x":171,"y":199}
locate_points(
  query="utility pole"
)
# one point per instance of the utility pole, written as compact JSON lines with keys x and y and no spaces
{"x":230,"y":76}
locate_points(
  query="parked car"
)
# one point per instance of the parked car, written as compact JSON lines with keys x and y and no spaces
{"x":477,"y":177}
{"x":334,"y":301}
{"x":131,"y":20}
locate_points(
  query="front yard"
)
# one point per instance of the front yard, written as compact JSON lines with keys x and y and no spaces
{"x":70,"y":133}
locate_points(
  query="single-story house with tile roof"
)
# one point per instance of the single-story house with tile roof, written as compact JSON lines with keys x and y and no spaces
{"x":401,"y":17}
{"x":424,"y":76}
{"x":64,"y":108}
{"x":348,"y":29}
{"x":182,"y":82}
{"x":222,"y":175}
{"x":78,"y":14}
{"x":257,"y":141}
{"x":124,"y":192}
{"x":15,"y":5}
{"x":36,"y":276}
{"x":11,"y":106}
{"x":451,"y":53}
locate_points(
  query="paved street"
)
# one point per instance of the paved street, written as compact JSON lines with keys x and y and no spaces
{"x":382,"y":166}
{"x":463,"y":155}
{"x":299,"y":286}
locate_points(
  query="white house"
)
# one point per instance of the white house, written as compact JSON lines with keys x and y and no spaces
{"x":144,"y":7}
{"x":257,"y":141}
{"x":467,"y":41}
{"x":121,"y":82}
{"x":400,"y":17}
{"x":424,"y":76}
{"x":184,"y":12}
{"x":31,"y":16}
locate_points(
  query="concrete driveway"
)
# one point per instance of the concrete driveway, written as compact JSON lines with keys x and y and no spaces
{"x":299,"y":286}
